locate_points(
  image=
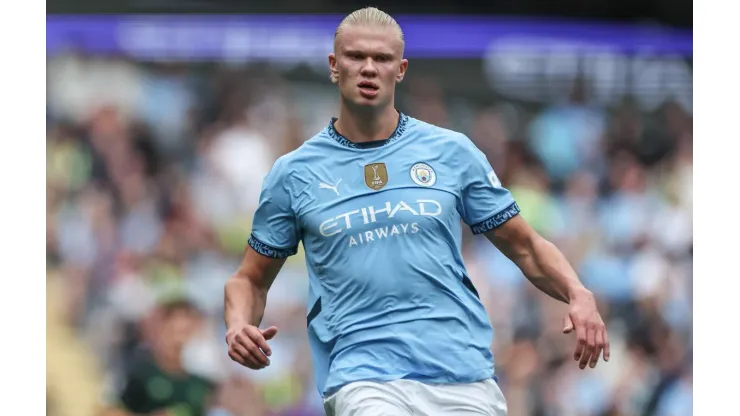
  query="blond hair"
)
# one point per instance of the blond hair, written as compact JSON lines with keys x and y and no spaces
{"x":369,"y":16}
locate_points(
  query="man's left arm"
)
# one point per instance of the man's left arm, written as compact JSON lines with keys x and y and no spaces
{"x":489,"y":208}
{"x":548,"y":269}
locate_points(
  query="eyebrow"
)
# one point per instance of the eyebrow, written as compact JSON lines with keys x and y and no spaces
{"x":359,"y":52}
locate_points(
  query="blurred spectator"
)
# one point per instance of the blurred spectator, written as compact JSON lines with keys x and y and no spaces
{"x":157,"y":381}
{"x":567,"y":136}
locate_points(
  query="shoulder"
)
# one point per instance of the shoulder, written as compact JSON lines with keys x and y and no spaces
{"x":297,"y":160}
{"x":447,"y":140}
{"x":290,"y":170}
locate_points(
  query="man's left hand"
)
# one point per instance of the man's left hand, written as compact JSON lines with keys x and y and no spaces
{"x":591,"y":337}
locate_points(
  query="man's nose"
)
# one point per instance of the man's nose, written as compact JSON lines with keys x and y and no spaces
{"x":368,"y":68}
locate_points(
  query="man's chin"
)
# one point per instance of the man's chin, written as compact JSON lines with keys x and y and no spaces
{"x":367,"y":103}
{"x":360,"y":103}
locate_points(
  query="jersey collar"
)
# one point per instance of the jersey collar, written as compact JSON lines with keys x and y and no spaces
{"x":403,"y":120}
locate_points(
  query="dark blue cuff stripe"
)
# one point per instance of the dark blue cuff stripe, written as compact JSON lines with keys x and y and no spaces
{"x":269,"y":251}
{"x":496,"y":220}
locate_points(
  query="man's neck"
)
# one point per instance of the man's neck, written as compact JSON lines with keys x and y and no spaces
{"x":368,"y":126}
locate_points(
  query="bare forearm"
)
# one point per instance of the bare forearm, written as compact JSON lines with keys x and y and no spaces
{"x":244,"y":302}
{"x":547,"y":268}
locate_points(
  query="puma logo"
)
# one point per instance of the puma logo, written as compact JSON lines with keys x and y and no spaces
{"x":334,"y":188}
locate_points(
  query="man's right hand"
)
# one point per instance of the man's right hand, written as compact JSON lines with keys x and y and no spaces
{"x":248,"y":345}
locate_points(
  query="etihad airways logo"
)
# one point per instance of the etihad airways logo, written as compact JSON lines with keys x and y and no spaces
{"x":372,"y":214}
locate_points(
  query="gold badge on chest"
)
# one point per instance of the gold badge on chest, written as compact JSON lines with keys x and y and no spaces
{"x":376,"y":176}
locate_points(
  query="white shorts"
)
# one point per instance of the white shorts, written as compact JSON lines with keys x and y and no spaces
{"x":406,"y":398}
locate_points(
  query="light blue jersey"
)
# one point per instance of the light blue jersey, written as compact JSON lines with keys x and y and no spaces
{"x":380,"y":224}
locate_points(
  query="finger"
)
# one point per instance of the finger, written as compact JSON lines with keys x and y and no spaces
{"x":583,"y":362}
{"x":590,"y":347}
{"x":251,"y":348}
{"x":260,"y":342}
{"x":255,"y":362}
{"x":567,"y":325}
{"x":244,"y":357}
{"x":242,"y":353}
{"x":235,"y":356}
{"x":254,"y":336}
{"x":580,"y":340}
{"x":257,"y":355}
{"x":597,"y":349}
{"x":606,"y":346}
{"x":270,"y":332}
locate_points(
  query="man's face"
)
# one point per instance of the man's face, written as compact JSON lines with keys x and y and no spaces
{"x":368,"y":63}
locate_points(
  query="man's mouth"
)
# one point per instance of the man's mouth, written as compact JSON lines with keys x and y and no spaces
{"x":369,"y":85}
{"x":368,"y":88}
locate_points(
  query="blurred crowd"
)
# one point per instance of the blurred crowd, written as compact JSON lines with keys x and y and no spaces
{"x":153,"y":172}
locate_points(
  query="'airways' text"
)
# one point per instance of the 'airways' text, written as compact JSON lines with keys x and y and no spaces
{"x":383,"y":232}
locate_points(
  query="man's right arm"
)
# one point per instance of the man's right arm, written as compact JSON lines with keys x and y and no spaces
{"x":245,"y":298}
{"x":275,"y":236}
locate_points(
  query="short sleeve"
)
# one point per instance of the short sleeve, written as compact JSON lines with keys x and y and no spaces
{"x":484,"y":203}
{"x":275,"y":232}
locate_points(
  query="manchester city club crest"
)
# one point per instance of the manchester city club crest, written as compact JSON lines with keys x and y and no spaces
{"x":423,"y":174}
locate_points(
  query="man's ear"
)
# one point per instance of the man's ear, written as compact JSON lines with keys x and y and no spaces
{"x":402,"y":70}
{"x":333,"y":71}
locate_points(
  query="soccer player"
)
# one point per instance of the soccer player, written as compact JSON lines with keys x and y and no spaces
{"x":377,"y":198}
